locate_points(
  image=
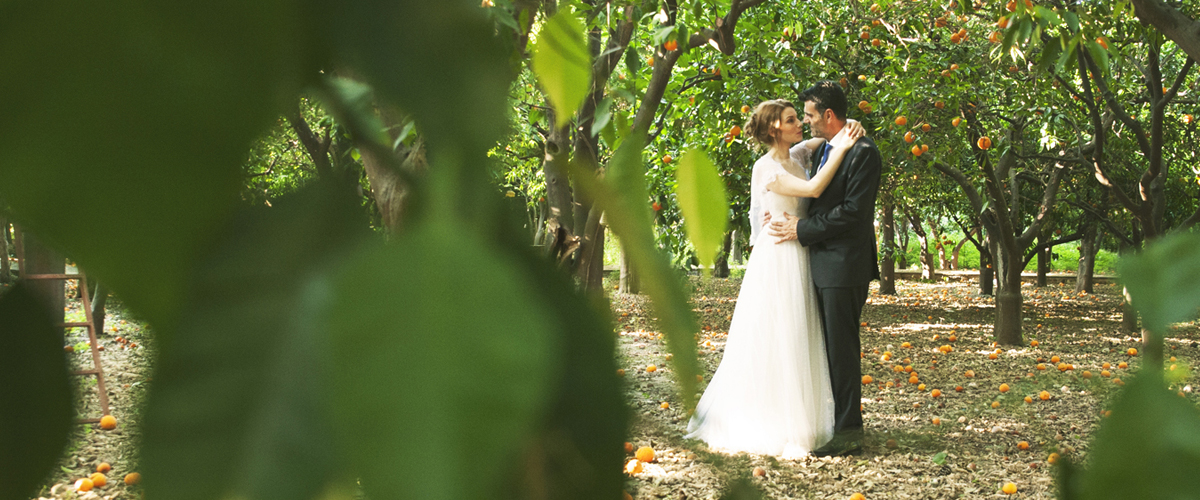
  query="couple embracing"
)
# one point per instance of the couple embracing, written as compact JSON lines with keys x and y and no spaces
{"x":789,"y":382}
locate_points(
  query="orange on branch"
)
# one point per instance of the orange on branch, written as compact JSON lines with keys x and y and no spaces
{"x":916,"y":151}
{"x":901,"y":120}
{"x":984,"y":143}
{"x":925,"y":127}
{"x":745,"y":108}
{"x":1003,"y":22}
{"x":909,"y":136}
{"x":671,"y":45}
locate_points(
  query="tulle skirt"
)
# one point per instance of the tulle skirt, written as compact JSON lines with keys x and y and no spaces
{"x":771,"y":393}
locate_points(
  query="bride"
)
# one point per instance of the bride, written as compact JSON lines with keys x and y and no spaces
{"x":771,"y":394}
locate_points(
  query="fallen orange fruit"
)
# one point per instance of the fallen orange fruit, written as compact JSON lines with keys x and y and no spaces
{"x":645,"y":454}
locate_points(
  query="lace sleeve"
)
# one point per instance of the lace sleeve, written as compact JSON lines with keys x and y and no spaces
{"x":765,"y":172}
{"x":802,"y":155}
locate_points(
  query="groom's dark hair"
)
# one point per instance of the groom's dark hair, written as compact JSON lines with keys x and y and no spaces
{"x":826,"y":94}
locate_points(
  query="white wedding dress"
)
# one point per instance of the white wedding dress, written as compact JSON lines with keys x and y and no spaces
{"x":771,"y":393}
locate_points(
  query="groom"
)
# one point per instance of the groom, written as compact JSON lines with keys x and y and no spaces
{"x":840,"y":235}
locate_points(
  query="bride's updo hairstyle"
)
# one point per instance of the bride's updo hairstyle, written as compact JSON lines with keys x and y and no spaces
{"x":763,"y":121}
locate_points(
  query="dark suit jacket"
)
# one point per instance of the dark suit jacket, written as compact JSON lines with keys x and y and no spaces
{"x":840,"y":229}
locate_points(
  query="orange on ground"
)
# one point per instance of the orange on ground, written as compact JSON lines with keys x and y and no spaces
{"x":84,"y":484}
{"x":628,"y":447}
{"x":1033,"y":343}
{"x":993,"y":356}
{"x":1105,"y":373}
{"x":1028,"y":399}
{"x":1122,"y":365}
{"x":1009,"y":488}
{"x":759,"y":472}
{"x":108,"y":422}
{"x":1003,"y":387}
{"x":1041,"y":366}
{"x":1055,"y":359}
{"x":958,"y":388}
{"x":98,"y":480}
{"x":1023,"y":445}
{"x":953,"y":338}
{"x":914,"y":380}
{"x":651,"y":369}
{"x":133,"y":478}
{"x":645,"y":454}
{"x":664,"y":405}
{"x":906,"y":345}
{"x":1044,"y":395}
{"x":935,"y":393}
{"x":1087,"y":374}
{"x":995,"y":404}
{"x":1131,"y":352}
{"x":936,"y":421}
{"x":633,"y":467}
{"x":1052,"y":458}
{"x":857,"y":496}
{"x":103,"y":467}
{"x":1105,"y":366}
{"x":969,"y":374}
{"x":620,"y":372}
{"x":867,"y":379}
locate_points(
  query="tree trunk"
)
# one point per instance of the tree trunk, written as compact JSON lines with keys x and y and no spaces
{"x":937,"y":238}
{"x":558,"y":186}
{"x":902,"y":248}
{"x":887,"y":267}
{"x":99,"y":300}
{"x":987,"y":270}
{"x":721,"y":266}
{"x":40,"y":259}
{"x":629,"y":280}
{"x":955,"y":253}
{"x":1088,"y":247}
{"x":1043,"y":266}
{"x":1008,"y":297}
{"x":737,"y":247}
{"x":591,"y":258}
{"x":923,"y":241}
{"x":1129,"y":315}
{"x":5,"y":263}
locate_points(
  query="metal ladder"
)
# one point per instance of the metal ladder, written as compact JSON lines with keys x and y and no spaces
{"x":86,"y":299}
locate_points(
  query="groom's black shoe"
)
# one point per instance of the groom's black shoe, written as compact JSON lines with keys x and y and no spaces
{"x":845,"y":443}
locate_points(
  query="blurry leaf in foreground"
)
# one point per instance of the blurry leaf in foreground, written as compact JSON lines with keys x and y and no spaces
{"x":123,"y":136}
{"x":704,"y":204}
{"x":35,"y":413}
{"x":1148,"y":448}
{"x":588,"y":418}
{"x":624,"y":200}
{"x":236,"y":393}
{"x":562,"y":64}
{"x":1164,"y":280}
{"x":441,"y":365}
{"x":440,"y":61}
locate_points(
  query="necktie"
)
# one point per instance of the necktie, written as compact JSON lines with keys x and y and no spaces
{"x":825,"y":157}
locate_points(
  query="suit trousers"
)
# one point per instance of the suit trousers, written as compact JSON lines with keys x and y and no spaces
{"x":841,"y":311}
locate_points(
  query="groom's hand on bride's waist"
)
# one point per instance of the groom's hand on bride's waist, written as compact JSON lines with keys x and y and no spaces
{"x":783,"y":229}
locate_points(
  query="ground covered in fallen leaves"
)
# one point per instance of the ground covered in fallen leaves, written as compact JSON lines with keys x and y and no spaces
{"x":125,"y":358}
{"x":968,"y":442}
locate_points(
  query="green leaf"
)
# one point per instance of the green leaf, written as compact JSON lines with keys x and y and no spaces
{"x":1072,"y":20}
{"x":560,"y":60}
{"x":1099,"y":54}
{"x":1050,"y":53}
{"x":603,"y":115}
{"x":440,"y":364}
{"x":1148,"y":448}
{"x":1049,"y":16}
{"x":35,"y":425}
{"x":236,"y":392}
{"x":1164,"y":280}
{"x":139,"y":113}
{"x":1066,"y":56}
{"x":704,"y":204}
{"x":633,"y":60}
{"x":625,"y":201}
{"x":940,"y":458}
